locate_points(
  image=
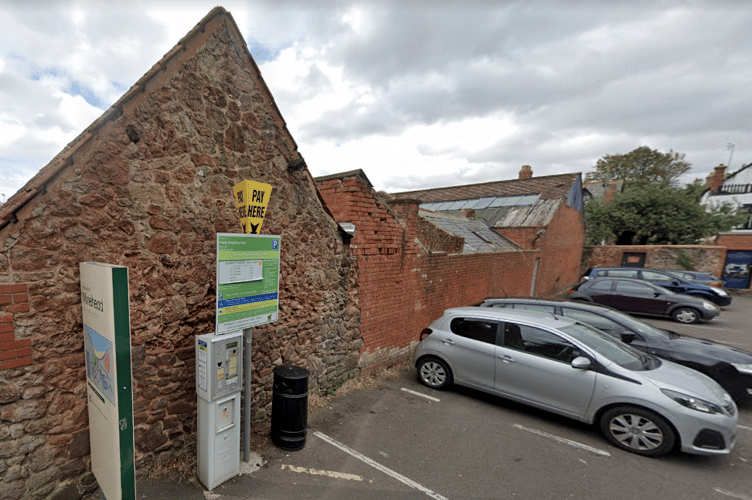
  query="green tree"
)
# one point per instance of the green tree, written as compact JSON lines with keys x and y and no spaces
{"x":656,"y":214}
{"x":641,"y":166}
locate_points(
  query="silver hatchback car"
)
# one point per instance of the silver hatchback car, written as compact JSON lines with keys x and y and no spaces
{"x":642,"y":404}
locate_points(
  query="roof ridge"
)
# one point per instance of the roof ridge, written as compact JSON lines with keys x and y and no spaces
{"x":488,"y":183}
{"x":64,"y":158}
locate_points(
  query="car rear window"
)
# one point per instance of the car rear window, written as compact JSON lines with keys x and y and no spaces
{"x":476,"y":329}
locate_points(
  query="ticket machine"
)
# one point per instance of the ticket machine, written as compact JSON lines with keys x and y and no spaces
{"x":219,"y":380}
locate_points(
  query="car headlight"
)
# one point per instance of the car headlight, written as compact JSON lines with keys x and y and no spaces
{"x":745,"y":369}
{"x":709,"y":306}
{"x":720,"y":292}
{"x":693,"y":402}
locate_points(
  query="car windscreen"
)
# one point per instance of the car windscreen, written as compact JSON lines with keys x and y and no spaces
{"x":636,"y":325}
{"x":618,"y":352}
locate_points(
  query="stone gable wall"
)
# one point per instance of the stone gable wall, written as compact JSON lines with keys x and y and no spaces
{"x":149,"y":189}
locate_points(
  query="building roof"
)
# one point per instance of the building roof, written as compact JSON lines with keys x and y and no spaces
{"x":735,"y":183}
{"x":66,"y":158}
{"x":548,"y":187}
{"x":478,"y":237}
{"x":514,"y":203}
{"x":598,"y":188}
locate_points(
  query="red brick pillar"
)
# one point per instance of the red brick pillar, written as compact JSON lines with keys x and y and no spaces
{"x":13,"y":353}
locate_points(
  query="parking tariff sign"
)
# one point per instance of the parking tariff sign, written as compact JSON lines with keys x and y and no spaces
{"x":247,"y":281}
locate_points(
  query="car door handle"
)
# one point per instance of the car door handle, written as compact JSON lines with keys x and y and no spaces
{"x":507,"y":359}
{"x":448,"y":341}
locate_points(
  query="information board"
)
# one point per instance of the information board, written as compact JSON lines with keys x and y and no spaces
{"x":247,"y":281}
{"x":107,"y":347}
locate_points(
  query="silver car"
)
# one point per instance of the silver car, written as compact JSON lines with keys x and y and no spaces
{"x":641,"y":403}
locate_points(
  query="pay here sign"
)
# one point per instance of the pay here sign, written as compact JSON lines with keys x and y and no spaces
{"x":247,"y":281}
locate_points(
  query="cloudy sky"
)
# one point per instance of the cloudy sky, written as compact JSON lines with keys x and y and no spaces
{"x":418,"y":94}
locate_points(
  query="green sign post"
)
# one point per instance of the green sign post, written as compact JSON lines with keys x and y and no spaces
{"x":107,"y":345}
{"x":247,"y":281}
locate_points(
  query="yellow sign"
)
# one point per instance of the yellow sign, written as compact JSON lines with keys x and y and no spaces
{"x":251,"y":200}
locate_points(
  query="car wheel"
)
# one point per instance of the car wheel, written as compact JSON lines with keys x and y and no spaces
{"x":434,"y":373}
{"x":637,"y":430}
{"x":686,"y":315}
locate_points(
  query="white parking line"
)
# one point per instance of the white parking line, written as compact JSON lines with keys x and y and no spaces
{"x":421,"y":395}
{"x":563,"y":440}
{"x":732,"y":494}
{"x":327,"y":473}
{"x":743,"y":427}
{"x":378,"y":466}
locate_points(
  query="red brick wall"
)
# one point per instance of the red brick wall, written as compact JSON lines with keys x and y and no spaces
{"x":13,"y":352}
{"x":403,"y":285}
{"x":740,"y":241}
{"x":561,"y":247}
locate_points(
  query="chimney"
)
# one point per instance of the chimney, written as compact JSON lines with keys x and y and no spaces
{"x":468,"y":212}
{"x":526,"y":172}
{"x":716,"y":177}
{"x":609,"y":192}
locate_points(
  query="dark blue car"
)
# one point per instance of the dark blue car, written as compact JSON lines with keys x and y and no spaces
{"x":665,"y":279}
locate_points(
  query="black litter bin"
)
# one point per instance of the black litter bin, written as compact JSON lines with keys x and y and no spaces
{"x":290,"y":407}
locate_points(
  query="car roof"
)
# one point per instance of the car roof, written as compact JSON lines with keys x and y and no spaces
{"x":575,"y":304}
{"x":530,"y":317}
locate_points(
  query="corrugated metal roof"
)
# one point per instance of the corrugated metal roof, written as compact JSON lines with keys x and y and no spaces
{"x":539,"y":214}
{"x":478,"y":237}
{"x":481,"y":203}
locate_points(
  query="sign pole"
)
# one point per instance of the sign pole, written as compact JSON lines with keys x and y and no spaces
{"x":248,"y":337}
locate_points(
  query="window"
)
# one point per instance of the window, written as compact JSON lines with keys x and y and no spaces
{"x":476,"y":329}
{"x":622,"y":273}
{"x":654,"y":276}
{"x":602,"y":285}
{"x":539,"y":342}
{"x":601,"y":323}
{"x":631,"y":287}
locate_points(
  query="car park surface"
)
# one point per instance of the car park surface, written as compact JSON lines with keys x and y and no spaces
{"x":644,"y":298}
{"x":642,"y":404}
{"x":731,"y":367}
{"x":465,"y":444}
{"x":664,"y":279}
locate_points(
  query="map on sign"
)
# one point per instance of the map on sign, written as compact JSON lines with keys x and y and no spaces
{"x":237,"y":271}
{"x":99,"y":363}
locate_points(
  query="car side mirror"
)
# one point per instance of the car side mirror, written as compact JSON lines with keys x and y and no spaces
{"x":657,"y":294}
{"x":581,"y":363}
{"x":675,"y":283}
{"x":628,"y":337}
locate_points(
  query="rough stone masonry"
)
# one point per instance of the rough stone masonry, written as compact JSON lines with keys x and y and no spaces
{"x":148,"y":186}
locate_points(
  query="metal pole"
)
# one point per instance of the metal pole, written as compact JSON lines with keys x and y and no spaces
{"x":247,"y":336}
{"x":730,"y":147}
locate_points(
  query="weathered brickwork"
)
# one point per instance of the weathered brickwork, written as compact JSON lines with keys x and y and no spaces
{"x":704,"y":258}
{"x":560,"y":242}
{"x":14,"y":352}
{"x":405,"y":281}
{"x":149,"y":186}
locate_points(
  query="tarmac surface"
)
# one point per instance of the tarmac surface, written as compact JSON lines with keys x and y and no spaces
{"x":397,"y":439}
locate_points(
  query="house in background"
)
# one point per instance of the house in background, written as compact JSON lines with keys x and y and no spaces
{"x":736,"y":189}
{"x":544,"y":213}
{"x":598,"y":189}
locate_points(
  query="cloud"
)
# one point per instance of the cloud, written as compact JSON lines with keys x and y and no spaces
{"x":417,"y":93}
